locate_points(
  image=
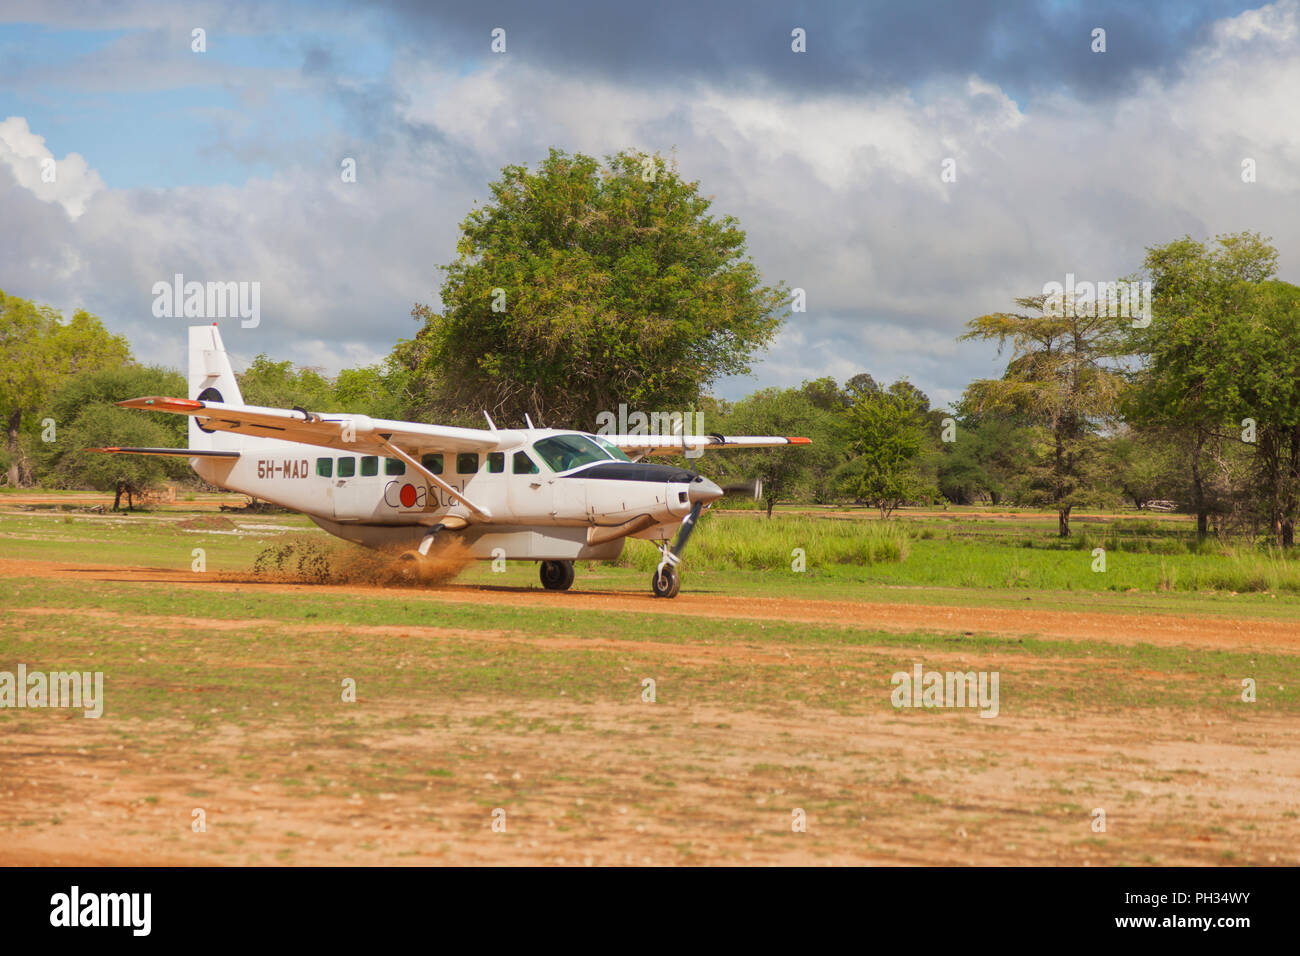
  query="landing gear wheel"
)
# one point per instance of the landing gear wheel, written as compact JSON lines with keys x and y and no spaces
{"x":557,"y":575}
{"x":407,"y":566}
{"x":666,"y":582}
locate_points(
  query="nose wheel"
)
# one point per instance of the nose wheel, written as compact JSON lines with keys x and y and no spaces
{"x":666,"y":582}
{"x":557,"y":575}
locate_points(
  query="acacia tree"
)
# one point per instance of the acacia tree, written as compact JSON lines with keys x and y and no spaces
{"x":579,"y":286}
{"x":1063,"y":377}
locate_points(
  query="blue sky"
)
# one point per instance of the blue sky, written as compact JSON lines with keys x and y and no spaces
{"x":225,"y":164}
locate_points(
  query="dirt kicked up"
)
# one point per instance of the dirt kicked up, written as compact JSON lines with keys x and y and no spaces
{"x":495,"y":725}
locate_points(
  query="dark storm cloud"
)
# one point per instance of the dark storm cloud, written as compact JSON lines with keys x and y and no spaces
{"x":852,"y":46}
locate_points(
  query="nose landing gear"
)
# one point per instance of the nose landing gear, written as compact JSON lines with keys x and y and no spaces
{"x":666,"y":581}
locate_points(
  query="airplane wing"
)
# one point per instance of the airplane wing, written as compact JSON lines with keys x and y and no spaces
{"x":173,"y":452}
{"x":337,"y":430}
{"x":646,"y":445}
{"x":342,"y":432}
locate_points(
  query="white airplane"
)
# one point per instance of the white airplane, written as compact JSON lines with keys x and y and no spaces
{"x":540,"y":494}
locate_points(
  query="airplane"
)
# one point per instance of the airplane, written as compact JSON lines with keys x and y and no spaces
{"x":555,"y":496}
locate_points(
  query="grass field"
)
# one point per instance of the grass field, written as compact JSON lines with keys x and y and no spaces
{"x":494,"y":722}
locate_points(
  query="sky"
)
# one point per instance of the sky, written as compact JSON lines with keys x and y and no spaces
{"x":226,"y":164}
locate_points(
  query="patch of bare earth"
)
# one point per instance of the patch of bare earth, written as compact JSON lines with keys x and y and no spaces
{"x":417,"y":780}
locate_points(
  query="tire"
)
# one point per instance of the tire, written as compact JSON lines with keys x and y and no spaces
{"x":666,"y":583}
{"x":407,"y":565}
{"x":557,"y":575}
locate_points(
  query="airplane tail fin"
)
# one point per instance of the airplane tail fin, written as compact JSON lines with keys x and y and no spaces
{"x":211,"y":380}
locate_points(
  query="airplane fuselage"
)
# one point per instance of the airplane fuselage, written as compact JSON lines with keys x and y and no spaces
{"x":546,"y":511}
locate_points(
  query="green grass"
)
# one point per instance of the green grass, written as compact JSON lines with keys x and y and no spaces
{"x":783,"y":543}
{"x":957,"y":558}
{"x":159,"y":669}
{"x":1142,"y":555}
{"x":153,"y":539}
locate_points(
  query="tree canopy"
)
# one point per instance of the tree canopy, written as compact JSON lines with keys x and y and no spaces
{"x":39,"y":351}
{"x":580,"y":286}
{"x":1061,"y":376}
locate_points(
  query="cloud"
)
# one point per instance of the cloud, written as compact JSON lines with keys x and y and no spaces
{"x":838,"y":187}
{"x":69,"y":182}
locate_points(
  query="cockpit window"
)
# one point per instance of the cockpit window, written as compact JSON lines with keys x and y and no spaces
{"x":614,"y":451}
{"x":562,"y":452}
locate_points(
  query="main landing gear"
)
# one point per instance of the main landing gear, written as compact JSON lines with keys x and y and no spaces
{"x":557,"y":575}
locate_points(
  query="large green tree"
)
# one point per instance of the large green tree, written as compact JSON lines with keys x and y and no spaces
{"x":887,"y":431}
{"x":38,"y":352}
{"x":582,"y":285}
{"x":1062,"y":376}
{"x":85,"y":415}
{"x":1263,"y":362}
{"x":1184,"y":387}
{"x":126,"y":475}
{"x":786,"y":472}
{"x":285,"y":385}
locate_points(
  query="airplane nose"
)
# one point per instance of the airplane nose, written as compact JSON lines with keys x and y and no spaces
{"x":703,"y":490}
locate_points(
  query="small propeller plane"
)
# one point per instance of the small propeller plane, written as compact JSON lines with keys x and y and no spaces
{"x":550,"y":495}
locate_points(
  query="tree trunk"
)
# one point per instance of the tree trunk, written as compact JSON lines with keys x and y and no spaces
{"x":1063,"y":521}
{"x":15,"y":422}
{"x":1198,"y":485}
{"x":1202,"y":522}
{"x":117,"y":498}
{"x":770,"y":503}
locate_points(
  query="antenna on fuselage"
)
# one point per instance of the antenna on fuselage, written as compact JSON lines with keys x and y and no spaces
{"x":491,"y":424}
{"x":528,"y":421}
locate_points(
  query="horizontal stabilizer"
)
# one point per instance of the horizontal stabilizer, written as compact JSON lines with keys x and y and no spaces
{"x":178,"y":452}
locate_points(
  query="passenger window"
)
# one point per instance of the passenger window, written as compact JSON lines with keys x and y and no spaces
{"x":497,"y":462}
{"x":523,"y":465}
{"x":325,"y":467}
{"x":432,"y":462}
{"x":369,"y":466}
{"x":347,"y":467}
{"x":467,"y":463}
{"x":394,"y":466}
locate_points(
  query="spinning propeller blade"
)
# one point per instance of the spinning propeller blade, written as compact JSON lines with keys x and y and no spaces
{"x":688,"y":525}
{"x":748,"y":488}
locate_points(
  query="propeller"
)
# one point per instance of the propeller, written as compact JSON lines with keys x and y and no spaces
{"x":688,"y":525}
{"x":748,"y":488}
{"x":702,"y":493}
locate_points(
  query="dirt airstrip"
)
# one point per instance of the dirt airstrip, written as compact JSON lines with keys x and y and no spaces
{"x":679,"y":782}
{"x":1113,"y":627}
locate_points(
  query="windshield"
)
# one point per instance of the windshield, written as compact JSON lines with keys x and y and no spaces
{"x":614,"y":451}
{"x":562,"y":452}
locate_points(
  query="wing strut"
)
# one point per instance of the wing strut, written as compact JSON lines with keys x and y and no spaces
{"x":436,"y":479}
